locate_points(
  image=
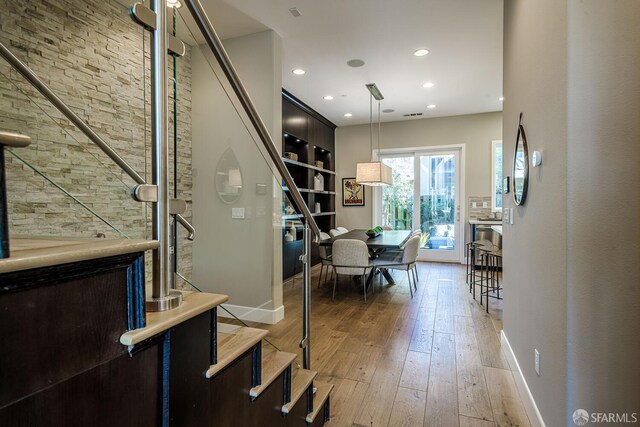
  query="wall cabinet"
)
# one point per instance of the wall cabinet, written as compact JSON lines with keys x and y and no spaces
{"x":307,"y":138}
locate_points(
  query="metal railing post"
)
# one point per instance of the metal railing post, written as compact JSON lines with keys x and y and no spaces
{"x":162,"y":297}
{"x":305,"y":343}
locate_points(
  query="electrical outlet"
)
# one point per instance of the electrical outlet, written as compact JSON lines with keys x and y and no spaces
{"x":505,"y":215}
{"x":485,"y":204}
{"x":474,"y":205}
{"x":511,"y":216}
{"x":537,"y":360}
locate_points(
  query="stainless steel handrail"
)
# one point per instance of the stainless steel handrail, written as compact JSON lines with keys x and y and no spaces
{"x":36,"y":82}
{"x":214,"y":43}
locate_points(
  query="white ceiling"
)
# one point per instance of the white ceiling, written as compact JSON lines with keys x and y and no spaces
{"x":464,"y":37}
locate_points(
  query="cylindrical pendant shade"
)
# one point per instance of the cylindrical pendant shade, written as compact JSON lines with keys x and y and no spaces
{"x":373,"y":173}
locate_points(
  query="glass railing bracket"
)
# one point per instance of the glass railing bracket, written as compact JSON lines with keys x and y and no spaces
{"x":177,"y":206}
{"x":143,"y":15}
{"x":145,"y":193}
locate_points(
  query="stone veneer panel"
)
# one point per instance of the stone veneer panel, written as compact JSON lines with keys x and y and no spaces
{"x":90,"y":53}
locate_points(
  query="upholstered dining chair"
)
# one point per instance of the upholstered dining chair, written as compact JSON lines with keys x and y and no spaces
{"x":405,"y":260}
{"x":351,"y":257}
{"x":325,"y":259}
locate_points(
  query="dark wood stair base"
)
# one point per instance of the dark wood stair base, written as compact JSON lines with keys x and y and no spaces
{"x":105,"y":362}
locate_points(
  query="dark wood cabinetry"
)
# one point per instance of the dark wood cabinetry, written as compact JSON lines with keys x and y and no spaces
{"x":311,"y":138}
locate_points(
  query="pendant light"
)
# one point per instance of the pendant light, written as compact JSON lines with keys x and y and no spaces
{"x":373,"y":173}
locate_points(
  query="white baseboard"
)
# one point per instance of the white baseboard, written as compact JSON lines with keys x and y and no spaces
{"x":525,"y":394}
{"x":254,"y":314}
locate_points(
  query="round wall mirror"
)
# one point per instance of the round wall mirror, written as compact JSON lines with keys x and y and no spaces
{"x":520,"y":167}
{"x":228,"y":177}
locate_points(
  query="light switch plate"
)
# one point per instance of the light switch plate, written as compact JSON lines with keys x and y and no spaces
{"x":485,"y":204}
{"x":474,"y":205}
{"x":536,"y":362}
{"x":237,"y":213}
{"x":505,"y":215}
{"x":511,"y":216}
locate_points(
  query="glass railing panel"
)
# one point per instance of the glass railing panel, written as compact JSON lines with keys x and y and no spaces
{"x":245,"y":222}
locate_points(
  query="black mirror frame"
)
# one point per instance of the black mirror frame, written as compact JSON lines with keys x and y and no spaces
{"x":525,"y":184}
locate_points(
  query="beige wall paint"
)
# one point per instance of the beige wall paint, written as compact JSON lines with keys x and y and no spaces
{"x":534,"y":247}
{"x":603,"y":253}
{"x":476,"y":131}
{"x":237,"y":257}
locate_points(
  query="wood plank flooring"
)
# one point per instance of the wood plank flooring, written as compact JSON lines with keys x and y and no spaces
{"x":434,"y":360}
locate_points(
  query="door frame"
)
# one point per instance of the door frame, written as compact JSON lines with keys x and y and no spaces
{"x":376,"y":207}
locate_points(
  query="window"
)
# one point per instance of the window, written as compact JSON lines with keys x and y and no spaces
{"x":496,"y":176}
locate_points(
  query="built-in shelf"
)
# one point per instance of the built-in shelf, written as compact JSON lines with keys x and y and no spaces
{"x":297,"y":216}
{"x":308,"y":190}
{"x":292,"y":216}
{"x":304,"y":165}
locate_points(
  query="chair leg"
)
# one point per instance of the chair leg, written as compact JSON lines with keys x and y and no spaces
{"x":364,"y":287}
{"x":335,"y":282}
{"x":415,"y":278}
{"x":320,"y":276}
{"x":410,"y":285}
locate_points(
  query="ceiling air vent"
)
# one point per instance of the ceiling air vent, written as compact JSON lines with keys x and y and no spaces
{"x":412,"y":114}
{"x":295,"y":12}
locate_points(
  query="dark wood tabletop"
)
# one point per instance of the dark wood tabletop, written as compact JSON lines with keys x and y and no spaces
{"x":389,"y":239}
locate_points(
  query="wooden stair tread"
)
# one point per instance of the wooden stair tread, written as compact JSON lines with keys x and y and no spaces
{"x":319,"y":398}
{"x":37,"y":252}
{"x":193,"y":304}
{"x":232,"y":346}
{"x":301,"y":379}
{"x":273,"y":364}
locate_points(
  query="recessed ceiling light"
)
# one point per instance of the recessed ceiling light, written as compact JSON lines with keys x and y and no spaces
{"x":421,"y":52}
{"x":431,"y":106}
{"x":428,"y":85}
{"x":501,"y":98}
{"x":327,"y":97}
{"x":355,"y":63}
{"x":388,"y":110}
{"x":298,"y":71}
{"x":348,"y":114}
{"x":174,"y":3}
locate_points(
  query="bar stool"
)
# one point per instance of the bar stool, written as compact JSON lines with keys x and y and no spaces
{"x":475,"y":252}
{"x":492,"y":265}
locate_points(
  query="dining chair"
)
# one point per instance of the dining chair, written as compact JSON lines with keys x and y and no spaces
{"x":333,"y":232}
{"x":325,"y":258}
{"x":342,"y":230}
{"x":351,"y":257}
{"x":405,"y":260}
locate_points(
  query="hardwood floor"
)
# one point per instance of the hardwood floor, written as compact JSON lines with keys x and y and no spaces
{"x":433,"y":360}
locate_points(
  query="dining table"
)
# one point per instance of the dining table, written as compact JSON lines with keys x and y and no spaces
{"x":386,"y":240}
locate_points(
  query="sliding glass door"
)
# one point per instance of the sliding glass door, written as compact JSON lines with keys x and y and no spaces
{"x":425,"y":195}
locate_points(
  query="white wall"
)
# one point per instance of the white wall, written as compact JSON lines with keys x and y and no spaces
{"x":571,"y":258}
{"x":240,"y":258}
{"x":534,"y":248}
{"x":476,"y":131}
{"x":603,"y":254}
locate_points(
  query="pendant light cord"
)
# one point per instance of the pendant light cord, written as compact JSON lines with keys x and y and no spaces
{"x":378,"y":130}
{"x":371,"y":124}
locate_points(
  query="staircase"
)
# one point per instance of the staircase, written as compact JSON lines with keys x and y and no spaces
{"x":65,"y":360}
